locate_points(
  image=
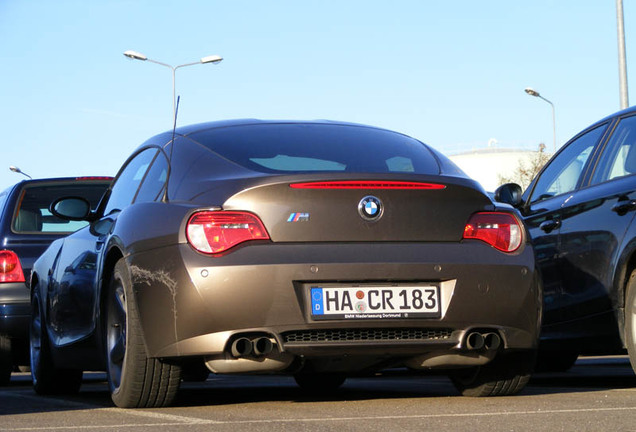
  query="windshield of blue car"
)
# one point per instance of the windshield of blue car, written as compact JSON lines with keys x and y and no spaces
{"x":32,"y":214}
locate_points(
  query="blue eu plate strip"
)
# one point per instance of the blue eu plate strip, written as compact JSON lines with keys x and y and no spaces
{"x":317,"y":307}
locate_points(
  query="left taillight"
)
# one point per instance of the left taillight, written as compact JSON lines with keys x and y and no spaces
{"x":213,"y":232}
{"x":10,"y":268}
{"x":500,"y":230}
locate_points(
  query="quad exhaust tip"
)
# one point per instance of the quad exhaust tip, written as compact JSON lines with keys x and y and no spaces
{"x":262,"y":346}
{"x":474,"y":341}
{"x":257,"y":347}
{"x":491,"y":341}
{"x":241,"y":347}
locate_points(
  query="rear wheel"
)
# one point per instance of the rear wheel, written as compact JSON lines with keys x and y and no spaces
{"x":319,"y":383}
{"x":135,"y":380}
{"x":48,"y":379}
{"x":506,"y":375}
{"x":6,"y":363}
{"x":630,"y":319}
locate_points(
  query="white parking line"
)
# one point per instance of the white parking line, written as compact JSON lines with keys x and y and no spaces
{"x":430,"y":416}
{"x":161,"y":416}
{"x":91,"y":427}
{"x":173,"y":419}
{"x":186,"y":421}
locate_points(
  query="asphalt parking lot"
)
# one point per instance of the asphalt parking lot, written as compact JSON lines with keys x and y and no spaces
{"x":597,"y":394}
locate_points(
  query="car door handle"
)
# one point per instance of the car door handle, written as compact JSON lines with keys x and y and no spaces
{"x":550,"y":225}
{"x":623,"y":207}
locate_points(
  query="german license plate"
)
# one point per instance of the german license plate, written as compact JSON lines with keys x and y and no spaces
{"x":374,"y":302}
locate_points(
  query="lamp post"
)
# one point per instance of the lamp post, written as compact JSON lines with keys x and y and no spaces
{"x":17,"y":170}
{"x":622,"y":62}
{"x":535,"y":93}
{"x":208,"y":59}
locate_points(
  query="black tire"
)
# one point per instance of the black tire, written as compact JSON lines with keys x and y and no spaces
{"x":6,"y":361}
{"x":48,"y":379}
{"x":319,"y":383}
{"x":134,"y":379}
{"x":506,"y":375}
{"x":555,"y":361}
{"x":630,"y":319}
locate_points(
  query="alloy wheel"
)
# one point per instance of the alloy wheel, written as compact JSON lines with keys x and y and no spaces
{"x":116,"y":333}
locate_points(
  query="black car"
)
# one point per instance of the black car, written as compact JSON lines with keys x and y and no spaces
{"x":580,"y":213}
{"x":27,"y":227}
{"x":315,"y":249}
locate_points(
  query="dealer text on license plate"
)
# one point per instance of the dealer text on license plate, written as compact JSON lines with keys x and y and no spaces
{"x":375,"y":302}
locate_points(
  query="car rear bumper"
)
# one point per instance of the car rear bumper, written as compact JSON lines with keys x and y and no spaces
{"x":196,"y":305}
{"x":15,"y":310}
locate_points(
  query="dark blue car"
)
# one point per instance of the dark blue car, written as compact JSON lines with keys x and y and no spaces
{"x":580,"y":213}
{"x":27,"y":227}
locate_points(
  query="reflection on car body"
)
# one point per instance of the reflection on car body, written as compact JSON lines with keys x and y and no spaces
{"x":73,"y":283}
{"x":315,"y":249}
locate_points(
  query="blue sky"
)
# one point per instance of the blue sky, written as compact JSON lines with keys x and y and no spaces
{"x":451,"y":74}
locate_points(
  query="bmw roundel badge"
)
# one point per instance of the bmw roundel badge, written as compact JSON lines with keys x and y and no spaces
{"x":370,"y":208}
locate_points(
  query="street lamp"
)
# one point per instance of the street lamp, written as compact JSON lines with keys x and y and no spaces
{"x":535,"y":93}
{"x":622,"y":66}
{"x":134,"y":55}
{"x":15,"y":169}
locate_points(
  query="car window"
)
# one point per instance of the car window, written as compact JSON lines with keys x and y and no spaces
{"x":3,"y":200}
{"x":619,"y":157}
{"x":294,"y":163}
{"x":400,"y":164}
{"x":563,"y":172}
{"x":153,"y":184}
{"x":291,"y":148}
{"x":33,"y":216}
{"x":126,"y":185}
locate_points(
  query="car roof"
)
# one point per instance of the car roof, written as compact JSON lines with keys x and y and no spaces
{"x":186,"y":130}
{"x":57,"y":180}
{"x":626,"y":111}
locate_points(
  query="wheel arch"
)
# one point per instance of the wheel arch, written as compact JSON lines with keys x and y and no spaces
{"x":112,"y":257}
{"x":626,"y":265}
{"x":34,"y":282}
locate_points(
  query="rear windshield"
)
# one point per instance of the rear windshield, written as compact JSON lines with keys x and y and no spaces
{"x":293,"y":148}
{"x":33,"y":215}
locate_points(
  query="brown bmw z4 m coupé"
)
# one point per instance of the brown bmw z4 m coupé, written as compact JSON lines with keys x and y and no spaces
{"x":320,"y":249}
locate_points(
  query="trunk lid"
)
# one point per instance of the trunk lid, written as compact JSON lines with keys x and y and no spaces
{"x":322,"y":208}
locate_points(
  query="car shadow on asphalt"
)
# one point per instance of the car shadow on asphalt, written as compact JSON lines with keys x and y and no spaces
{"x":589,"y":373}
{"x":221,"y":390}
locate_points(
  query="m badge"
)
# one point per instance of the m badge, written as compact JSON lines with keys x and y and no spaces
{"x":298,"y":217}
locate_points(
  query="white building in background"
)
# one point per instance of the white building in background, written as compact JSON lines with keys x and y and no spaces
{"x":489,"y":165}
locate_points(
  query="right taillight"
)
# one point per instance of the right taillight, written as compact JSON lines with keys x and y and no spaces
{"x":213,"y":232}
{"x":10,"y":268}
{"x":500,"y":230}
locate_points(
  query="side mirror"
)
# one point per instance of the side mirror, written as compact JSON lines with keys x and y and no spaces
{"x":71,"y":208}
{"x":509,"y":193}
